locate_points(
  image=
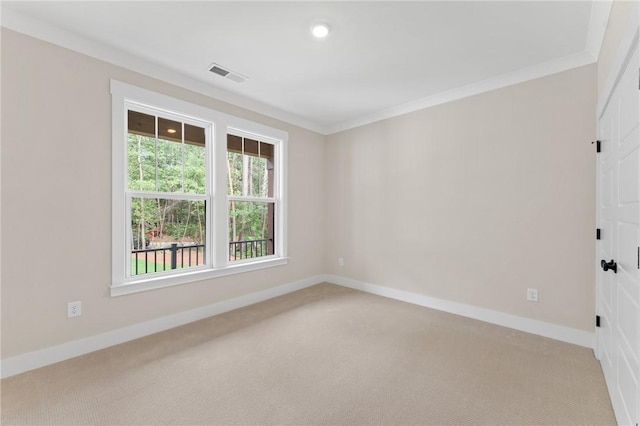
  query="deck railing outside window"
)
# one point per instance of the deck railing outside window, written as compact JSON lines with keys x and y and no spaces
{"x":250,"y":248}
{"x":177,"y":256}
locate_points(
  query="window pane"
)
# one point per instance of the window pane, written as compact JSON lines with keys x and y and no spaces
{"x":141,"y":151}
{"x":172,"y":162}
{"x":194,"y":160}
{"x":251,"y":229}
{"x":259,"y":177}
{"x":234,"y":173}
{"x":167,"y":234}
{"x":169,"y":155}
{"x":250,"y":167}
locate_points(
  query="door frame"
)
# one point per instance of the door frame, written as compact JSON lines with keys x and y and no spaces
{"x":628,"y":45}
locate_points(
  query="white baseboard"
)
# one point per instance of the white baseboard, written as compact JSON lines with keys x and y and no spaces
{"x":43,"y":357}
{"x":541,"y":328}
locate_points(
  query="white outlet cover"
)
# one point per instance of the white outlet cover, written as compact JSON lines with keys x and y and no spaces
{"x":74,"y":309}
{"x":532,"y":294}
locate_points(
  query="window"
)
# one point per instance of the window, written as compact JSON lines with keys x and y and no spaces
{"x":167,"y":191}
{"x":196,"y":193}
{"x":250,"y":192}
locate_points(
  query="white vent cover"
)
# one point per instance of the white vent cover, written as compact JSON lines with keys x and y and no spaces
{"x":226,"y":73}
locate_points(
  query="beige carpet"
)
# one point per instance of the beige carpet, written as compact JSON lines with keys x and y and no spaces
{"x":323,"y":355}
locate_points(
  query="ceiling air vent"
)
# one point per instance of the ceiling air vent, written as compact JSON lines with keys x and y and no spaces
{"x":226,"y":73}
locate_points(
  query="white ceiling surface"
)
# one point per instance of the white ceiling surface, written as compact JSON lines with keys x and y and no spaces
{"x":381,"y":58}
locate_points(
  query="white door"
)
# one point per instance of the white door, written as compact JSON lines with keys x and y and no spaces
{"x":618,"y":290}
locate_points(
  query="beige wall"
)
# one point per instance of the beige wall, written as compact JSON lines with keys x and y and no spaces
{"x":618,"y":21}
{"x":471,"y":201}
{"x":475,"y":200}
{"x":56,"y":196}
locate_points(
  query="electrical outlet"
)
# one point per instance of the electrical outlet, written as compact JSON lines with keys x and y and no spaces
{"x":74,"y":309}
{"x":532,"y":294}
{"x":341,"y":261}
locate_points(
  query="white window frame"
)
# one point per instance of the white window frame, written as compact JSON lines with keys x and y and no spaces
{"x":276,"y":188}
{"x":219,"y":125}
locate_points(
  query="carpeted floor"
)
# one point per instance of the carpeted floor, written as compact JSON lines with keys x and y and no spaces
{"x":323,"y":355}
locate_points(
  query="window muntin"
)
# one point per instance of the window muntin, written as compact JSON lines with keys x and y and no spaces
{"x":251,"y":229}
{"x":183,"y":221}
{"x":165,"y":155}
{"x":252,"y":201}
{"x":163,"y":113}
{"x":167,"y":192}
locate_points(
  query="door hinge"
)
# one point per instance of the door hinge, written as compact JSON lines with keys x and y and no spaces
{"x":598,"y":146}
{"x":597,"y":233}
{"x":638,"y":257}
{"x":597,"y":320}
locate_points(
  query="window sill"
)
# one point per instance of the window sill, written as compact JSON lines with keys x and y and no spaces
{"x":188,"y":277}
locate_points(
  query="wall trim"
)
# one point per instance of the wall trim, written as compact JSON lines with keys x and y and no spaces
{"x":623,"y":54}
{"x":509,"y":79}
{"x":51,"y":355}
{"x":44,"y":31}
{"x":18,"y":22}
{"x":541,"y":328}
{"x":598,"y":21}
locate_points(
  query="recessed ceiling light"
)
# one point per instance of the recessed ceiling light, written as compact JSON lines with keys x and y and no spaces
{"x":320,"y":30}
{"x":171,"y":130}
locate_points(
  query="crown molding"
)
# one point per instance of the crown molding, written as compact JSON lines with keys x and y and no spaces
{"x":625,"y":50}
{"x":598,"y":20}
{"x":493,"y":83}
{"x":600,"y":11}
{"x":18,"y":22}
{"x":38,"y":29}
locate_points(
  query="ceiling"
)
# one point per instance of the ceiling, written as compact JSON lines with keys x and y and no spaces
{"x":380,"y":59}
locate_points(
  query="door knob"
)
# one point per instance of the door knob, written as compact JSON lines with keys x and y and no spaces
{"x":609,"y":265}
